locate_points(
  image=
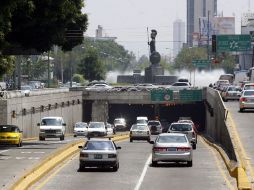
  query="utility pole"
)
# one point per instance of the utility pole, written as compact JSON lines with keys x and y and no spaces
{"x":48,"y":70}
{"x":208,"y":36}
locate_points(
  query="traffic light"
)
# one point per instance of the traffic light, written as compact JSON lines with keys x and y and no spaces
{"x":214,"y":43}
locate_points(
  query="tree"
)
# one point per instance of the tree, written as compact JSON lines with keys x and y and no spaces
{"x":6,"y":65}
{"x":38,"y":25}
{"x":78,"y":78}
{"x":91,"y":67}
{"x":186,"y":55}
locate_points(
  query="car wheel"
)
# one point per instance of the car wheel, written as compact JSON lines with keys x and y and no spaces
{"x":74,"y":135}
{"x":81,"y":167}
{"x":194,"y":146}
{"x":19,"y":144}
{"x":148,"y":140}
{"x":189,"y":163}
{"x":41,"y":138}
{"x":116,"y":167}
{"x":154,"y":163}
{"x":62,"y":138}
{"x":241,"y":109}
{"x":131,"y":140}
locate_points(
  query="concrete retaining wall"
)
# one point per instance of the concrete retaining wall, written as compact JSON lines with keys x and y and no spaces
{"x":216,"y":127}
{"x":26,"y":112}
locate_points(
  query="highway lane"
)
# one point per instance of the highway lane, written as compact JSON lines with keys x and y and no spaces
{"x":244,"y":124}
{"x":15,"y":161}
{"x":135,"y":172}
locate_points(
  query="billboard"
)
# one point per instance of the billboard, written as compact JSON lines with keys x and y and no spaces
{"x":224,"y":25}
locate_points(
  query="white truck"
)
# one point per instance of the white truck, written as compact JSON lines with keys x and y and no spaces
{"x":51,"y":127}
{"x":2,"y":86}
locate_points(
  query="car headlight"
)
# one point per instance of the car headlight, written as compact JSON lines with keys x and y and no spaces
{"x":112,"y":156}
{"x":13,"y":137}
{"x":42,"y":130}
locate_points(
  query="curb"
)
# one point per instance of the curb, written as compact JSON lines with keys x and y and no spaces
{"x":54,"y":159}
{"x":234,"y":170}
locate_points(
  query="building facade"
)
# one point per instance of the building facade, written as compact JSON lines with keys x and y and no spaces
{"x":178,"y":36}
{"x":195,"y":10}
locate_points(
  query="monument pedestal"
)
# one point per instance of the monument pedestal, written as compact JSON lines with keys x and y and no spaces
{"x":152,"y":71}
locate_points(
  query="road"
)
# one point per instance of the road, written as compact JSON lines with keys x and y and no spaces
{"x":244,"y":122}
{"x":136,"y":173}
{"x":15,"y":161}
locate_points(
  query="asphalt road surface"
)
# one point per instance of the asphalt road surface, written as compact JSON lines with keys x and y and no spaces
{"x":136,"y":173}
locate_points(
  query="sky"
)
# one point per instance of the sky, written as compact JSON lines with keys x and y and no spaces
{"x":128,"y":20}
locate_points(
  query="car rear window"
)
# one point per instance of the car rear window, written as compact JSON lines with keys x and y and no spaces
{"x":171,"y":139}
{"x":99,"y":145}
{"x":139,"y":127}
{"x":249,"y":93}
{"x":96,"y":125}
{"x":153,"y":123}
{"x":181,"y":127}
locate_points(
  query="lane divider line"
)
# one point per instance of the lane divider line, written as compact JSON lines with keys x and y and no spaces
{"x":148,"y":161}
{"x":40,"y":170}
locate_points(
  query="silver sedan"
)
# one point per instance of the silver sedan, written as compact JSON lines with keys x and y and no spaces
{"x":246,"y":100}
{"x":171,"y":147}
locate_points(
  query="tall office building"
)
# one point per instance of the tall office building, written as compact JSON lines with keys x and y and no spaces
{"x":195,"y":10}
{"x":178,"y":36}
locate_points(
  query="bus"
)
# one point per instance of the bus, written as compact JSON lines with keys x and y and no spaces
{"x":229,"y":77}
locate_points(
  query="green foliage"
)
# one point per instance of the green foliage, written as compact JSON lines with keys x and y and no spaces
{"x":91,"y":67}
{"x":7,"y":65}
{"x":78,"y":78}
{"x":33,"y":24}
{"x":185,"y":57}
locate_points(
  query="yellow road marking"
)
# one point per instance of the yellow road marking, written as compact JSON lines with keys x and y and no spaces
{"x":215,"y":154}
{"x":242,"y":152}
{"x":51,"y":176}
{"x":62,"y":165}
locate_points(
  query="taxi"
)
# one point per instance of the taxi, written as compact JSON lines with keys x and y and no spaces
{"x":10,"y":134}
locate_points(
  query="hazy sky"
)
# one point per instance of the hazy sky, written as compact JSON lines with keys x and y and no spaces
{"x":128,"y":20}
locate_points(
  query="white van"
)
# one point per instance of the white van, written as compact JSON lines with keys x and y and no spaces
{"x":142,"y":120}
{"x":51,"y":127}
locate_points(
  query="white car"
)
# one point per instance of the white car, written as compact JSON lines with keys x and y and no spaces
{"x":246,"y":101}
{"x":98,"y":87}
{"x":119,"y":123}
{"x":80,"y":129}
{"x":96,"y":129}
{"x":25,"y":90}
{"x":99,"y":153}
{"x":140,"y":132}
{"x":171,"y":147}
{"x":110,"y":129}
{"x":180,"y":86}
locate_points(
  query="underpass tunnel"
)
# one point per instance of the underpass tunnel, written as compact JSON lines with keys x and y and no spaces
{"x":130,"y":112}
{"x":164,"y":112}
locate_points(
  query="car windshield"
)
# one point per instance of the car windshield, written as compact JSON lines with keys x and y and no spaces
{"x":141,"y":121}
{"x":181,"y":127}
{"x":96,"y":125}
{"x":99,"y":145}
{"x":249,"y":93}
{"x":80,"y":125}
{"x":119,"y":121}
{"x":53,"y":122}
{"x":139,"y":127}
{"x":153,"y":123}
{"x":8,"y":128}
{"x":171,"y":139}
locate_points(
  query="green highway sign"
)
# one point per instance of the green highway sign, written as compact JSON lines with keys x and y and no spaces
{"x":201,"y":63}
{"x":161,"y":95}
{"x":191,"y":95}
{"x":233,"y":43}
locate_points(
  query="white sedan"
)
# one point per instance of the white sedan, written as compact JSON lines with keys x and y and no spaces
{"x":246,"y":101}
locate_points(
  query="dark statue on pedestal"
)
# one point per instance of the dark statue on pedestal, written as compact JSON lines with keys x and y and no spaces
{"x":154,"y":55}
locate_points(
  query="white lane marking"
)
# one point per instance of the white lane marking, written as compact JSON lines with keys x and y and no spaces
{"x":20,"y":158}
{"x":25,"y":152}
{"x":143,"y":173}
{"x":33,"y":158}
{"x":4,"y":158}
{"x":39,"y":152}
{"x":3,"y":151}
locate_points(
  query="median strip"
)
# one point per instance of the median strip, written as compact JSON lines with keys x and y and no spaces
{"x":40,"y":170}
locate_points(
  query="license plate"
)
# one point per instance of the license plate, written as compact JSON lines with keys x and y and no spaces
{"x":98,"y":156}
{"x":171,"y":149}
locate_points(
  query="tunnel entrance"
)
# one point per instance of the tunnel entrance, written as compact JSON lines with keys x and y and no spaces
{"x":165,"y":113}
